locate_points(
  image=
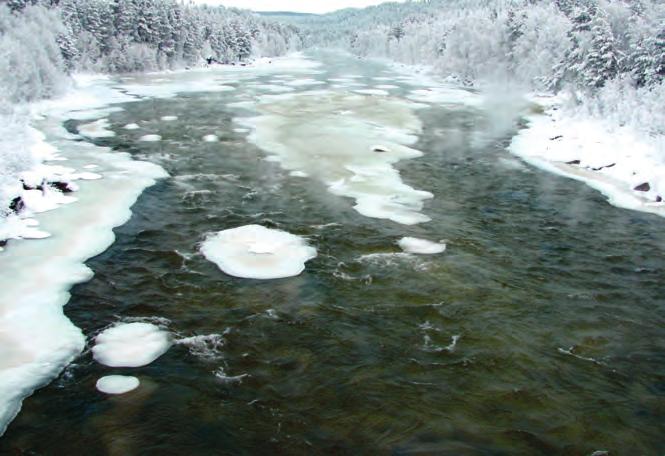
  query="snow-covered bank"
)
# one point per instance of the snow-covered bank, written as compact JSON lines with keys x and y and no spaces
{"x":624,"y":165}
{"x":38,"y":340}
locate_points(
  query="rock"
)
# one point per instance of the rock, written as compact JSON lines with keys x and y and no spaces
{"x":645,"y":187}
{"x":573,"y":162}
{"x":17,"y":205}
{"x":556,"y":137}
{"x":3,"y":242}
{"x":603,"y":167}
{"x":379,"y":149}
{"x":62,"y":186}
{"x":29,"y":187}
{"x":659,"y":199}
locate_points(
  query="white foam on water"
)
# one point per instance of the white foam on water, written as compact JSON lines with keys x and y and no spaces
{"x":387,"y":86}
{"x":211,"y":138}
{"x":393,"y":260}
{"x":169,"y":118}
{"x":150,"y":138}
{"x":37,"y":339}
{"x":131,"y":126}
{"x":256,"y":252}
{"x":96,"y":129}
{"x":330,"y":136}
{"x":130,"y":344}
{"x":207,"y":347}
{"x":117,"y":384}
{"x":421,"y":246}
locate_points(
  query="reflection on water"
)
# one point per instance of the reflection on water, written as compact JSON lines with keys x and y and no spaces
{"x":539,"y":331}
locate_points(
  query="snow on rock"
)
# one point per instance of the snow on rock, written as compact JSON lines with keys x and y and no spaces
{"x":44,"y":200}
{"x":117,"y":384}
{"x":97,"y":129}
{"x":130,"y":345}
{"x":625,"y":166}
{"x":421,"y":246}
{"x":331,"y":137}
{"x":150,"y":138}
{"x":211,"y":138}
{"x":256,"y":252}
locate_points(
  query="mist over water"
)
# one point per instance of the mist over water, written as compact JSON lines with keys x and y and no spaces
{"x":538,"y":331}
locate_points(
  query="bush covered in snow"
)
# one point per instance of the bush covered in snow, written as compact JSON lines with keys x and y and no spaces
{"x":30,"y":58}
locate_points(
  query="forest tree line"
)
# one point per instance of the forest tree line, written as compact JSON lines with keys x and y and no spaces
{"x":44,"y":39}
{"x":609,"y":54}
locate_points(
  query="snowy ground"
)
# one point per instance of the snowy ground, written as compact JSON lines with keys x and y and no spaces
{"x":625,"y":166}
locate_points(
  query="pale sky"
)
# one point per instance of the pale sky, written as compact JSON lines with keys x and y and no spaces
{"x":302,"y":6}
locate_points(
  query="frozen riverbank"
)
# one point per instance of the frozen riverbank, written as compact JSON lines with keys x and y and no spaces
{"x":38,"y":339}
{"x":55,"y":167}
{"x":626,"y":165}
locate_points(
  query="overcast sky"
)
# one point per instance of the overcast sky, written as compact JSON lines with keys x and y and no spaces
{"x":303,"y":6}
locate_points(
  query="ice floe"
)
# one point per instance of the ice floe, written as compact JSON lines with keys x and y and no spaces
{"x":96,"y":129}
{"x":371,"y":92}
{"x":117,"y":384}
{"x":257,"y":252}
{"x":446,"y":95}
{"x":150,"y":138}
{"x":131,"y":126}
{"x":130,"y":344}
{"x":304,"y":82}
{"x":331,"y":136}
{"x":421,"y":246}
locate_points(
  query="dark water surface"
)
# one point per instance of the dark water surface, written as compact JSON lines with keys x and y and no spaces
{"x":540,"y":331}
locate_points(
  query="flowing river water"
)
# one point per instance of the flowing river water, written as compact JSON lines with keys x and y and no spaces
{"x":538,"y":331}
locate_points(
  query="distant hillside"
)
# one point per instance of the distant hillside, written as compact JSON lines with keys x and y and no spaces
{"x":284,"y":13}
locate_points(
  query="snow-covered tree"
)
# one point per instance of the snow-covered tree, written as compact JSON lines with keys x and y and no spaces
{"x":603,"y":59}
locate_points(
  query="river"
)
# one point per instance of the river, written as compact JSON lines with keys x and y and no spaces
{"x":538,"y":331}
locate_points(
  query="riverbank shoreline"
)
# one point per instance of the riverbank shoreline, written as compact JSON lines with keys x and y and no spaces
{"x":625,"y":166}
